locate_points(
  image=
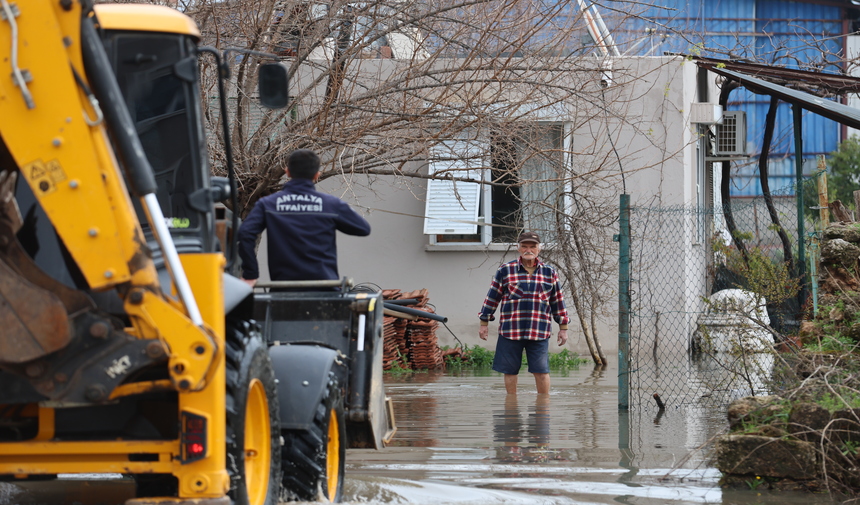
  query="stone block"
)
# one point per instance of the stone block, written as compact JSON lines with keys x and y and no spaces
{"x":766,"y":457}
{"x":807,"y":420}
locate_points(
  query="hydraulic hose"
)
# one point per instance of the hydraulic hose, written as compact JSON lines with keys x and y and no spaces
{"x":414,"y":312}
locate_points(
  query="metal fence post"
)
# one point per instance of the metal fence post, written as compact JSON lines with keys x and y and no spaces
{"x":801,"y":231}
{"x":624,"y":304}
{"x":824,"y":222}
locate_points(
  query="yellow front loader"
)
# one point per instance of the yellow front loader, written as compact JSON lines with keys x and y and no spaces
{"x":119,"y":351}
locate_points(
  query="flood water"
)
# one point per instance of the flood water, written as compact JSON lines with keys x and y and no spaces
{"x":461,"y":440}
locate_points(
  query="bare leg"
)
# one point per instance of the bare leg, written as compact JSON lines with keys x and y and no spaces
{"x":511,"y":384}
{"x":542,"y":383}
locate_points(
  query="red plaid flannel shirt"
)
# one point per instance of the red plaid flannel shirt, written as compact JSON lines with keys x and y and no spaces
{"x":528,"y":301}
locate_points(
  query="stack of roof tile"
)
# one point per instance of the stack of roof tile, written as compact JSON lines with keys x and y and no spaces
{"x":390,"y":294}
{"x":394,"y":348}
{"x":389,"y":343}
{"x":393,"y":336}
{"x":424,"y":352}
{"x":419,"y":294}
{"x":414,"y":341}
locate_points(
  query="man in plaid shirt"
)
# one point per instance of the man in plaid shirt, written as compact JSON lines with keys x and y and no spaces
{"x":530,"y":294}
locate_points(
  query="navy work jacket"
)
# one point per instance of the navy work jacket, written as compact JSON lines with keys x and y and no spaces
{"x":302,"y":224}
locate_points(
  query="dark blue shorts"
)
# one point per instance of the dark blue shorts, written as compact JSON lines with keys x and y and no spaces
{"x":509,"y":355}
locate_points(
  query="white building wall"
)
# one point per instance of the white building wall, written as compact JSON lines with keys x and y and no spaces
{"x":656,"y":145}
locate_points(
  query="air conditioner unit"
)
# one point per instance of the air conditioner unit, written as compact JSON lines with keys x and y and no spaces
{"x":732,"y":134}
{"x":706,"y":113}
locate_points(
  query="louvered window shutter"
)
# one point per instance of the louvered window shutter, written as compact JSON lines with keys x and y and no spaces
{"x":452,"y":206}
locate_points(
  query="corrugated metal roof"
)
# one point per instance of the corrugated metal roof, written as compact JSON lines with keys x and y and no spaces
{"x":832,"y":110}
{"x":820,"y":135}
{"x":825,"y":84}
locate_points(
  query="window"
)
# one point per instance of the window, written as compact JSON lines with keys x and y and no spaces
{"x":454,"y":204}
{"x":524,"y":167}
{"x":297,"y":27}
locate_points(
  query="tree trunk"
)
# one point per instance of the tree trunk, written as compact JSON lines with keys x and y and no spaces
{"x":840,"y":212}
{"x":726,"y":180}
{"x":857,"y":201}
{"x":769,"y":124}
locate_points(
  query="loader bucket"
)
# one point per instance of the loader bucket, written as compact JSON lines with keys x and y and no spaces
{"x":34,"y":320}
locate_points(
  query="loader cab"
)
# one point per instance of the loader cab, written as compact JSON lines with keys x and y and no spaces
{"x":153,"y":51}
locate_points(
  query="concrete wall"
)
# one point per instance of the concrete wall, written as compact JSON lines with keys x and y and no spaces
{"x":648,"y":119}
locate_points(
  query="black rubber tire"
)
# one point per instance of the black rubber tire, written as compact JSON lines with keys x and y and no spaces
{"x":8,"y":477}
{"x":247,"y":358}
{"x":155,"y":484}
{"x":306,"y":457}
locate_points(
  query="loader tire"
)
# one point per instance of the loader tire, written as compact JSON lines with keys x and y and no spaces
{"x":253,"y":422}
{"x":313,"y":459}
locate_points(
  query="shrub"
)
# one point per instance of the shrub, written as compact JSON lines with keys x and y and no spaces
{"x":479,"y":358}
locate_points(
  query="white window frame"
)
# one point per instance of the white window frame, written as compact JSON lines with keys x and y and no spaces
{"x":485,"y":243}
{"x":457,"y":200}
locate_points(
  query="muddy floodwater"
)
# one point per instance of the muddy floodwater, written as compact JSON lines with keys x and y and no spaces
{"x":462,"y":440}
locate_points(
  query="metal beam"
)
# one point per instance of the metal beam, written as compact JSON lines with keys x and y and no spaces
{"x":838,"y":112}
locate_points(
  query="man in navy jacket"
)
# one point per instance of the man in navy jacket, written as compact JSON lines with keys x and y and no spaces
{"x":302,"y":225}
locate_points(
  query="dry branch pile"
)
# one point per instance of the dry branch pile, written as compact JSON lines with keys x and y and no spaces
{"x":808,"y":437}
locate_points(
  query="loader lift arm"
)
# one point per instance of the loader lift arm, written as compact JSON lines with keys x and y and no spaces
{"x":63,"y":357}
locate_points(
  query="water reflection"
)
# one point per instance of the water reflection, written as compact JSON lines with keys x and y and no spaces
{"x":462,"y":440}
{"x":729,"y":376}
{"x":509,"y":430}
{"x":507,"y":423}
{"x":711,"y":379}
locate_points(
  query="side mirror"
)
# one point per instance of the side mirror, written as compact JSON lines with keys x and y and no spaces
{"x":220,"y":188}
{"x":273,"y":85}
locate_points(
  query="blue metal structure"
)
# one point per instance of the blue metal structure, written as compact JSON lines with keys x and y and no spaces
{"x":806,"y":35}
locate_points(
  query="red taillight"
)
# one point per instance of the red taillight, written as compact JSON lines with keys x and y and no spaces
{"x":193,"y":437}
{"x":195,"y":449}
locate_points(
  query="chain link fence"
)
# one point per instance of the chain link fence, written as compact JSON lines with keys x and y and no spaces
{"x":678,"y":258}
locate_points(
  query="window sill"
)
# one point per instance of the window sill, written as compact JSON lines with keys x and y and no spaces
{"x":473,"y":247}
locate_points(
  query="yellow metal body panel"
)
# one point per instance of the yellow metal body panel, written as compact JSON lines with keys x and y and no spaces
{"x":208,"y":477}
{"x":225,"y":500}
{"x":47,"y":418}
{"x":136,"y":388}
{"x":146,"y":18}
{"x":66,"y":162}
{"x":86,"y":457}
